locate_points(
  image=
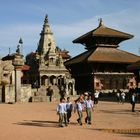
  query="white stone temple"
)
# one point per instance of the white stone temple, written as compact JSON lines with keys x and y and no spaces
{"x":47,"y":63}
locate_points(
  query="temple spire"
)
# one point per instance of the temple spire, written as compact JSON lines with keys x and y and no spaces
{"x":46,"y":19}
{"x":46,"y":46}
{"x":46,"y":27}
{"x":20,"y":41}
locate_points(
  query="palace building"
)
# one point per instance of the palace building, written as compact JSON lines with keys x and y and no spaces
{"x":103,"y":65}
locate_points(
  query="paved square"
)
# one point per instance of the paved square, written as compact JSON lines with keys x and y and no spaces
{"x":39,"y":121}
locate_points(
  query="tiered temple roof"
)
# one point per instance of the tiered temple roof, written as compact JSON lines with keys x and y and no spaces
{"x":102,"y":44}
{"x":102,"y":36}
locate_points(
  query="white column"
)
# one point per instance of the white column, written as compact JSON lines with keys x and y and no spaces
{"x":17,"y":84}
{"x":73,"y":88}
{"x":67,"y":91}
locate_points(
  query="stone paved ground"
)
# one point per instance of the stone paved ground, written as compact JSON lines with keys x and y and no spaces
{"x":38,"y":121}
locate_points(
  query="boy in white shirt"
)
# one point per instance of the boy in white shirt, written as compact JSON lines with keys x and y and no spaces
{"x":79,"y":108}
{"x":62,"y":112}
{"x":89,"y":109}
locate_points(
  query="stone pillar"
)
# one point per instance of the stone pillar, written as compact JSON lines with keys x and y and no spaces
{"x":73,"y":88}
{"x":47,"y":81}
{"x":17,"y":84}
{"x":54,"y":81}
{"x":67,"y":91}
{"x":57,"y":80}
{"x":18,"y":62}
{"x":13,"y":77}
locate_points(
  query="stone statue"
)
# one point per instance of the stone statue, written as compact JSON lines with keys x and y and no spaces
{"x":18,"y":49}
{"x":6,"y":72}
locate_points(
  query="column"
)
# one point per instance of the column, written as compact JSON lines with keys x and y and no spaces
{"x":17,"y":84}
{"x":73,"y":87}
{"x":67,"y":91}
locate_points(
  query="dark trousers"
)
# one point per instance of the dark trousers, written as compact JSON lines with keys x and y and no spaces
{"x":68,"y":115}
{"x":50,"y":98}
{"x":133,"y":106}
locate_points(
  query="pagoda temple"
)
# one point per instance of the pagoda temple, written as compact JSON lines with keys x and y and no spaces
{"x":103,"y":65}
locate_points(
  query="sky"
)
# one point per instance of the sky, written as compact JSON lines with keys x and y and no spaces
{"x":68,"y":20}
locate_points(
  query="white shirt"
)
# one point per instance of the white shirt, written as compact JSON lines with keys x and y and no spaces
{"x":96,"y":94}
{"x":69,"y":105}
{"x":133,"y":98}
{"x":61,"y":108}
{"x":88,"y":103}
{"x":118,"y":94}
{"x":123,"y":95}
{"x":79,"y":106}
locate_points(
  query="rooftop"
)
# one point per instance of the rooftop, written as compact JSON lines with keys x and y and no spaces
{"x":103,"y":32}
{"x":102,"y":54}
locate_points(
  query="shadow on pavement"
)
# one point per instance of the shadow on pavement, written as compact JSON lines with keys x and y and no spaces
{"x":123,"y":132}
{"x":120,"y":111}
{"x":39,"y":123}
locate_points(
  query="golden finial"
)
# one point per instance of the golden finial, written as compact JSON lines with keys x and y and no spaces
{"x":101,"y":23}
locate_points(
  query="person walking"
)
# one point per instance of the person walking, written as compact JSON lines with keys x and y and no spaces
{"x":133,"y":101}
{"x":96,"y":97}
{"x":65,"y":113}
{"x":61,"y":111}
{"x":118,"y":95}
{"x":122,"y":97}
{"x":89,"y":109}
{"x":78,"y":107}
{"x":69,"y":108}
{"x":50,"y":93}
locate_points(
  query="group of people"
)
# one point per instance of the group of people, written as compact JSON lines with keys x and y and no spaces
{"x":121,"y":97}
{"x":50,"y":92}
{"x":65,"y":108}
{"x":85,"y":104}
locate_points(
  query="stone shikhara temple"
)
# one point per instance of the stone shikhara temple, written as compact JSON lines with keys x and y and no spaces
{"x":103,"y":66}
{"x":47,"y":63}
